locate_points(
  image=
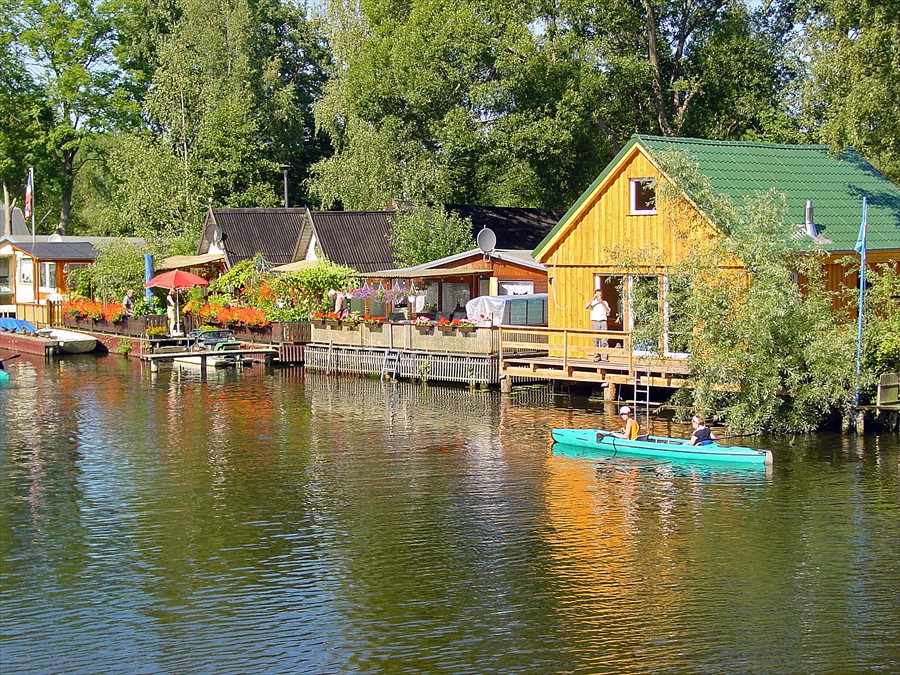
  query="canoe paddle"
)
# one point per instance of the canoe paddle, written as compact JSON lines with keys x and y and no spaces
{"x":10,"y":358}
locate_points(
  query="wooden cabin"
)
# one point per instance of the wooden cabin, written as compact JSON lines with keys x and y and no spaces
{"x":447,"y":284}
{"x":617,"y":235}
{"x":35,"y":270}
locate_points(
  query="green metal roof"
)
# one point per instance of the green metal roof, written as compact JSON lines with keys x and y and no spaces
{"x":836,"y":185}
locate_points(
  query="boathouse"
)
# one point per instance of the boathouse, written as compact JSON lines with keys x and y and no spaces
{"x":619,"y":218}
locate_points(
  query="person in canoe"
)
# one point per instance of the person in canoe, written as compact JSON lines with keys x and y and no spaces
{"x":632,"y":429}
{"x":702,"y":434}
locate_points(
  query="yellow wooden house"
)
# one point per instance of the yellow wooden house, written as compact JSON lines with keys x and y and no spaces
{"x":620,"y":236}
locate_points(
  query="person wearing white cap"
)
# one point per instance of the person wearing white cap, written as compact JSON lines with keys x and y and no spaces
{"x":632,"y":429}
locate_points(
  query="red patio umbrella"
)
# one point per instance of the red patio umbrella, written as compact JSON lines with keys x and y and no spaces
{"x":176,"y":279}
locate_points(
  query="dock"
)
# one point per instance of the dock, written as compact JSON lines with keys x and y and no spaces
{"x":154,"y":359}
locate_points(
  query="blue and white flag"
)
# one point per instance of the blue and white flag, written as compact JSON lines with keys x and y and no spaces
{"x":861,"y":239}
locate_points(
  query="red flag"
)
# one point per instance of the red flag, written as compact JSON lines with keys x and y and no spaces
{"x":29,"y":195}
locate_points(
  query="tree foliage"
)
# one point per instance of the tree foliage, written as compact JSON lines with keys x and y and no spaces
{"x":119,"y":266}
{"x":766,"y":353}
{"x":420,"y":234}
{"x":850,"y":96}
{"x":523,"y":104}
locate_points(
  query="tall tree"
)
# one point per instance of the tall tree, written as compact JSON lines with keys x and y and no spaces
{"x":852,"y":95}
{"x":522,"y":104}
{"x":69,"y":43}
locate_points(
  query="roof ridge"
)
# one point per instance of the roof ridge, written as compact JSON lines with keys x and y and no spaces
{"x":757,"y":144}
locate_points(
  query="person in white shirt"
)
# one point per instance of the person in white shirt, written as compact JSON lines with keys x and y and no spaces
{"x":599,"y":316}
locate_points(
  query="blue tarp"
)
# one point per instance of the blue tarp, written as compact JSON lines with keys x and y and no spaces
{"x":17,"y":326}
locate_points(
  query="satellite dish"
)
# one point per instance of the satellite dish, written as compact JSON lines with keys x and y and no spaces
{"x":486,"y":240}
{"x":54,"y":237}
{"x":217,"y":236}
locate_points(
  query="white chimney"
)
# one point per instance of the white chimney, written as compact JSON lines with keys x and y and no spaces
{"x":810,"y":223}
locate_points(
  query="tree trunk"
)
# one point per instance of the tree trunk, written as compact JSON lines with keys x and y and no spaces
{"x":653,"y":54}
{"x":66,"y":208}
{"x":7,"y":212}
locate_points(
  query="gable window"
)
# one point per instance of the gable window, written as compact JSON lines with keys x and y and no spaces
{"x":643,"y":196}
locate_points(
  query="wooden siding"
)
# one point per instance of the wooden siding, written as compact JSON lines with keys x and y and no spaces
{"x":602,"y":237}
{"x":503,"y":270}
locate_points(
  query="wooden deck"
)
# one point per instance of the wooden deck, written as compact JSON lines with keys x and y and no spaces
{"x":568,"y":355}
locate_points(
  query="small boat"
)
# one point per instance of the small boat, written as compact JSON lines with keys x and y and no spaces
{"x":660,"y":446}
{"x":70,"y":341}
{"x":4,"y":376}
{"x":219,"y":350}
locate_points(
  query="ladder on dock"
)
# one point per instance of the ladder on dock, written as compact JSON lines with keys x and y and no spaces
{"x":642,"y":394}
{"x":390,"y":366}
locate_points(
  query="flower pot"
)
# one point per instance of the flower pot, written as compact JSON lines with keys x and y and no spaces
{"x":446,"y":329}
{"x":466,"y":329}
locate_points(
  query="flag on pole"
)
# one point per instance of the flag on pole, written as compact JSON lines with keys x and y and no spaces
{"x":861,"y":249}
{"x":29,"y":195}
{"x":861,"y":239}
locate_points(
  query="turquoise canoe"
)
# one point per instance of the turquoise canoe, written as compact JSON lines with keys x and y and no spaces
{"x":661,"y":447}
{"x":4,"y":377}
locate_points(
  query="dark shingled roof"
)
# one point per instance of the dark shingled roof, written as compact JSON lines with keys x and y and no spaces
{"x":357,"y":239}
{"x":59,"y":250}
{"x":271,"y":232}
{"x":515,"y":228}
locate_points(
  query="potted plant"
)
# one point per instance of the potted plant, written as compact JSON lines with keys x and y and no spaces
{"x":351,"y":321}
{"x":423,"y":324}
{"x":445,"y":325}
{"x":317,"y":318}
{"x":464,"y":325}
{"x":374,"y":322}
{"x":332,"y":319}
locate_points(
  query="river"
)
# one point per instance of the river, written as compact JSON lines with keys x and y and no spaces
{"x":288,"y":522}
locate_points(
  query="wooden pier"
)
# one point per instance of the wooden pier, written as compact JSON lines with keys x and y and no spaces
{"x":155,"y":359}
{"x":569,"y":355}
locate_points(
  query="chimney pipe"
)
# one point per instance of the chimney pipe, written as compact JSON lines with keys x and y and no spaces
{"x":284,"y":169}
{"x":810,"y":224}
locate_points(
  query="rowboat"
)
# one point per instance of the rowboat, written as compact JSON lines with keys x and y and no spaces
{"x":660,"y":446}
{"x":72,"y":342}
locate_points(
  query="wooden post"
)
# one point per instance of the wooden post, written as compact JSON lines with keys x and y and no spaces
{"x":609,"y":392}
{"x":154,"y":366}
{"x":505,"y":384}
{"x":860,"y":421}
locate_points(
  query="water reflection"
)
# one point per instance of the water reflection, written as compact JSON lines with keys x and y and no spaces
{"x":296,"y":522}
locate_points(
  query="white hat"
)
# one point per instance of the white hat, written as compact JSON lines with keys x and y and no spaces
{"x":624,"y":410}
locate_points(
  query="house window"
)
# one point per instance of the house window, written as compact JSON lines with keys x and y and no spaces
{"x":454,"y":295}
{"x":4,"y":272}
{"x":26,"y":270}
{"x":48,"y":276}
{"x":643,"y":196}
{"x":516,"y":287}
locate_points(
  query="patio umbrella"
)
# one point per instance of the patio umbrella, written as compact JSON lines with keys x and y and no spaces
{"x":176,"y":279}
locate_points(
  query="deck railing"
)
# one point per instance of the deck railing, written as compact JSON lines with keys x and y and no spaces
{"x":566,"y":343}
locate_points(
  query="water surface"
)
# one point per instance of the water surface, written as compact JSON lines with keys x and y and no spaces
{"x":286,"y":522}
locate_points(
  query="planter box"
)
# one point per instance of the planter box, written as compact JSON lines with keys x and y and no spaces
{"x":407,"y":338}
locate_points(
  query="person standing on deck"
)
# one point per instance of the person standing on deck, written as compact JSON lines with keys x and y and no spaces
{"x":128,"y":302}
{"x":599,"y":321}
{"x":170,"y":310}
{"x":632,"y":429}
